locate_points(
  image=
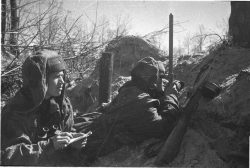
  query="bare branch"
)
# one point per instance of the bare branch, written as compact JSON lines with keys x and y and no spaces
{"x":3,"y":22}
{"x":6,"y":73}
{"x":21,"y":52}
{"x":29,"y":3}
{"x":70,"y":29}
{"x":39,"y":17}
{"x":207,"y":35}
{"x":94,"y":29}
{"x":87,"y":52}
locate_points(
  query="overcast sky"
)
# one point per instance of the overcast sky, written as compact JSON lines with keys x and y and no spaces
{"x":148,"y":16}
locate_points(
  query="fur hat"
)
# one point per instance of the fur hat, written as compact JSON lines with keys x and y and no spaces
{"x":35,"y":71}
{"x":148,"y":68}
{"x":146,"y":73}
{"x":55,"y":63}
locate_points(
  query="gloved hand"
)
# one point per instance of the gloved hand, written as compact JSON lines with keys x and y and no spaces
{"x":61,"y":140}
{"x":174,"y":88}
{"x":81,"y":143}
{"x":102,"y":107}
{"x":179,"y":85}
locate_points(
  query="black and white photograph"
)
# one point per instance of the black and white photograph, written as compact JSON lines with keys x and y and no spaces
{"x":125,"y":83}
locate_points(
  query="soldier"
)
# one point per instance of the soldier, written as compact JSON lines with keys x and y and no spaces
{"x":37,"y":122}
{"x":140,"y":111}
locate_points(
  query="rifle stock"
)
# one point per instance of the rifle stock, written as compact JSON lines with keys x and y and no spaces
{"x":172,"y":145}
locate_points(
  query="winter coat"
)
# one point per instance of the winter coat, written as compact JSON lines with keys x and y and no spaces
{"x":27,"y":117}
{"x":132,"y":117}
{"x":137,"y":113}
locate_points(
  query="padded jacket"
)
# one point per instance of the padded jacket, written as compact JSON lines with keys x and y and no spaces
{"x":28,"y":121}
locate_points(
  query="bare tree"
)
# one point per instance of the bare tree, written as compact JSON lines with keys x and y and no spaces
{"x":3,"y":22}
{"x":14,"y":27}
{"x":45,"y":24}
{"x":121,"y":26}
{"x":178,"y":51}
{"x":187,"y":42}
{"x":198,"y":39}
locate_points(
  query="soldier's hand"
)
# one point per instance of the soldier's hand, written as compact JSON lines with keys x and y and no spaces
{"x":174,"y":88}
{"x":61,"y":140}
{"x":77,"y":134}
{"x":79,"y":144}
{"x":102,"y":107}
{"x":171,"y":89}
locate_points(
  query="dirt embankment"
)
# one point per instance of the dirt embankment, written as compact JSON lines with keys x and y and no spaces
{"x":219,"y":132}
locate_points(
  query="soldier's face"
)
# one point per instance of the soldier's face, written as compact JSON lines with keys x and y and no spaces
{"x":161,"y":82}
{"x":55,"y":84}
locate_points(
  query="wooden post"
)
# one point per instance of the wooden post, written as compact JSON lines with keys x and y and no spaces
{"x":171,"y":74}
{"x":105,"y":78}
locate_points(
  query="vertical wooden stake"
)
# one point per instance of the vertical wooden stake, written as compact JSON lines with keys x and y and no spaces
{"x":105,"y":78}
{"x":171,"y":74}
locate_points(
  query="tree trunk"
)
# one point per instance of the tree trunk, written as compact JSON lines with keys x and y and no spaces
{"x":239,"y":23}
{"x":3,"y":26}
{"x":14,"y":27}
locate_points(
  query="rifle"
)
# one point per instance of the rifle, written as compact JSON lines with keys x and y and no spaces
{"x":172,"y":145}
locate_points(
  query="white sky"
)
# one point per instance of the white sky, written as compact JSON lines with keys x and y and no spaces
{"x":148,"y":16}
